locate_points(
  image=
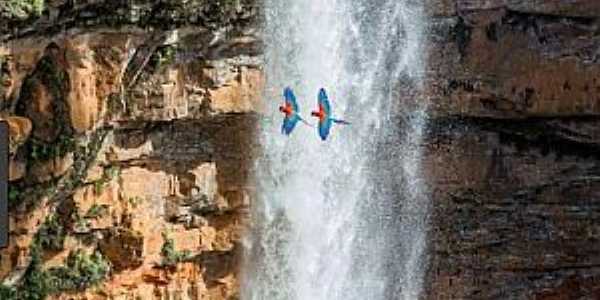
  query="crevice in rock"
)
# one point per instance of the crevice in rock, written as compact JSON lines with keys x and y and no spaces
{"x":559,"y":135}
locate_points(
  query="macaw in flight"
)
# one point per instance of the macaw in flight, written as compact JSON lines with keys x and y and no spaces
{"x":291,"y":111}
{"x":324,"y":115}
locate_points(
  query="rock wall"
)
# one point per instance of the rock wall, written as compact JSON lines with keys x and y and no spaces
{"x":131,"y":135}
{"x":513,"y":149}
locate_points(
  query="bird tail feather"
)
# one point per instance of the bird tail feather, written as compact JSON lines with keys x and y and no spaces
{"x":342,"y":122}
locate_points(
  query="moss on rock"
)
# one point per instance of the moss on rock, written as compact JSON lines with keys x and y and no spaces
{"x":21,"y":9}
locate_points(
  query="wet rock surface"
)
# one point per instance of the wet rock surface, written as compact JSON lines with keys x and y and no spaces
{"x":515,"y":218}
{"x":512,"y":151}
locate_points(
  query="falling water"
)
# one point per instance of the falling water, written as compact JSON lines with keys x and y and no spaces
{"x":345,"y":218}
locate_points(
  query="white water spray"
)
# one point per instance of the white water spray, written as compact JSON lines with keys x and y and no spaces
{"x":342,"y":219}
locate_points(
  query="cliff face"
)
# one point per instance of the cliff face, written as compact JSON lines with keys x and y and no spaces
{"x":131,"y":135}
{"x":132,"y":131}
{"x":513,"y":149}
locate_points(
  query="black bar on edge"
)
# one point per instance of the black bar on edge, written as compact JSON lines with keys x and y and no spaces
{"x":4,"y":140}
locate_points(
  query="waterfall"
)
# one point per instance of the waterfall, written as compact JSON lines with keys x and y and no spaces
{"x":345,"y":218}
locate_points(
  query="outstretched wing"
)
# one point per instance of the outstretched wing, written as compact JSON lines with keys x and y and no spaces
{"x":290,"y":98}
{"x":289,"y":122}
{"x":324,"y":103}
{"x":324,"y":128}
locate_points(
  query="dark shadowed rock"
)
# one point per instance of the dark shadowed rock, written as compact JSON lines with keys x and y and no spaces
{"x":513,"y":150}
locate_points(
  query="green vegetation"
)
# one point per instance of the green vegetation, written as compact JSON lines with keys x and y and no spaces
{"x":49,"y":74}
{"x":80,"y":223}
{"x":135,"y":201}
{"x":112,"y":172}
{"x":44,"y":151}
{"x":170,"y":256}
{"x":59,"y":189}
{"x":52,"y":75}
{"x":99,"y":186}
{"x":115,"y":104}
{"x":8,"y":293}
{"x":14,"y":194}
{"x":35,"y":283}
{"x":79,"y":272}
{"x":51,"y":235}
{"x":19,"y":192}
{"x":163,"y":56}
{"x":96,"y":211}
{"x":21,"y":9}
{"x":108,"y":174}
{"x":228,"y":3}
{"x":461,"y":32}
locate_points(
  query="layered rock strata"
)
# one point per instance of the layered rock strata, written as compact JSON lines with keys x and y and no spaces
{"x":512,"y":154}
{"x":132,"y":127}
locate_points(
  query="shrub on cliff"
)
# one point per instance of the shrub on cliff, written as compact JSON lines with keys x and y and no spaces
{"x":79,"y":272}
{"x":170,"y":256}
{"x":51,"y":234}
{"x":8,"y":293}
{"x":21,"y":9}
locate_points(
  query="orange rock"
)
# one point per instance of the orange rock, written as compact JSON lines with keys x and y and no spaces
{"x":186,"y":239}
{"x":42,"y":171}
{"x":226,"y":288}
{"x":22,"y":226}
{"x":237,"y":199}
{"x":41,"y":112}
{"x":129,"y":153}
{"x":239,"y":95}
{"x":124,"y":248}
{"x":23,"y":55}
{"x":140,"y":182}
{"x":19,"y":129}
{"x":88,"y":196}
{"x":94,"y":173}
{"x":208,"y":237}
{"x":204,"y":181}
{"x":156,"y":276}
{"x":129,"y":235}
{"x":95,"y":63}
{"x":16,"y":169}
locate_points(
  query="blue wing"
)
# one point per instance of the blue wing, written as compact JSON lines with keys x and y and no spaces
{"x":289,"y":123}
{"x":290,"y":98}
{"x":324,"y":127}
{"x":324,"y":102}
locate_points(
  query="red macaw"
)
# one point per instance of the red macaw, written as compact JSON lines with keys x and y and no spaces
{"x":324,"y":115}
{"x":290,"y":109}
